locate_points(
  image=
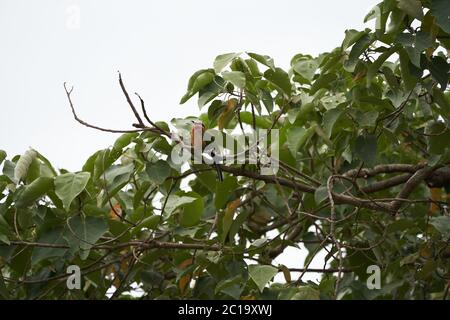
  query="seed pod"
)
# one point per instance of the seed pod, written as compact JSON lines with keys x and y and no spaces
{"x":25,"y":160}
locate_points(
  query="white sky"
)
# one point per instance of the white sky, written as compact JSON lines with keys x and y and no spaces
{"x":156,"y":45}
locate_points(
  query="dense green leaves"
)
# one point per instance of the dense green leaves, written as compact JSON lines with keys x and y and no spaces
{"x":441,"y":10}
{"x":158,"y":171}
{"x":357,"y":50}
{"x":223,"y":191}
{"x":2,"y":156}
{"x":297,"y":137}
{"x":442,"y":224}
{"x":83,"y":233}
{"x":280,"y":79}
{"x":34,"y":191}
{"x":411,"y":7}
{"x":439,"y":69}
{"x":362,"y":147}
{"x":198,"y":81}
{"x":235,"y":77}
{"x":192,"y":212}
{"x":261,"y":274}
{"x":52,"y":237}
{"x":175,"y":201}
{"x":265,"y":60}
{"x":69,"y":185}
{"x":223,"y":60}
{"x":366,"y":149}
{"x":439,"y":138}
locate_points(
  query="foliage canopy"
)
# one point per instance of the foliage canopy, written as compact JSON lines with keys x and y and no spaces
{"x":364,"y":150}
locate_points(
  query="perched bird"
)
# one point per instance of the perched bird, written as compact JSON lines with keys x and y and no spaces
{"x":198,"y":144}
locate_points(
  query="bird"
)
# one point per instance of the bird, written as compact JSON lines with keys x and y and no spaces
{"x":198,"y":144}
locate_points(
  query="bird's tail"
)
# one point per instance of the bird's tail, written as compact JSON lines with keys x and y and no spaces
{"x":219,"y":172}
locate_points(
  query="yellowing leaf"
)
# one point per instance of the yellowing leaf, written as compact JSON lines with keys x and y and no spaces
{"x":184,"y":281}
{"x":116,"y":212}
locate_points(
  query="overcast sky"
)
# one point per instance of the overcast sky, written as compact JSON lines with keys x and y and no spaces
{"x":156,"y":45}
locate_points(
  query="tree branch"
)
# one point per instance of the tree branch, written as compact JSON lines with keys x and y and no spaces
{"x":127,"y":96}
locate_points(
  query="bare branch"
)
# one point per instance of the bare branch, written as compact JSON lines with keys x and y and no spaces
{"x":127,"y":96}
{"x":84,"y":123}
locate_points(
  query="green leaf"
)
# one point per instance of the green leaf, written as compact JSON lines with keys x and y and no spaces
{"x":208,"y":179}
{"x":47,"y":165}
{"x":4,"y":292}
{"x":93,"y":210}
{"x":409,"y":259}
{"x":306,"y":293}
{"x":442,"y":224}
{"x":322,"y":82}
{"x":438,"y":138}
{"x":424,"y":40}
{"x":412,"y":7}
{"x":124,"y":140}
{"x":235,"y":77}
{"x":390,"y":78}
{"x":357,"y":50}
{"x":267,"y":100}
{"x":224,"y":190}
{"x":265,"y":60}
{"x":408,"y":77}
{"x":158,"y":171}
{"x":440,"y":9}
{"x":2,"y":156}
{"x":228,"y":218}
{"x":374,"y":67}
{"x":116,"y":178}
{"x":223,"y":60}
{"x":212,"y":90}
{"x":352,"y":36}
{"x":69,"y":185}
{"x":32,"y":192}
{"x":5,"y":232}
{"x":150,"y":222}
{"x":329,"y":119}
{"x":261,"y":121}
{"x":34,"y":171}
{"x":232,"y":287}
{"x":53,"y":237}
{"x":151,"y":278}
{"x":280,"y":79}
{"x":440,"y":99}
{"x":439,"y":69}
{"x":83,"y":233}
{"x":366,"y":148}
{"x":297,"y":137}
{"x":366,"y":119}
{"x":198,"y":80}
{"x":374,"y":13}
{"x":175,"y":202}
{"x":306,"y":68}
{"x":8,"y":170}
{"x":320,"y":194}
{"x":191,"y":213}
{"x":261,"y":274}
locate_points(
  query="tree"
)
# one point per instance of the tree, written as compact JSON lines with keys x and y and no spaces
{"x":364,"y":154}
